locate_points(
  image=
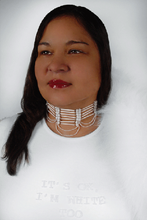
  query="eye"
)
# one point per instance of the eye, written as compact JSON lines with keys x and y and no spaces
{"x":75,"y":51}
{"x":45,"y":52}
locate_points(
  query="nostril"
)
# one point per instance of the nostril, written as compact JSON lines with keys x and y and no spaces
{"x":58,"y":68}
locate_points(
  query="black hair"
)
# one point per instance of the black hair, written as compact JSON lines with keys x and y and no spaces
{"x":33,"y":104}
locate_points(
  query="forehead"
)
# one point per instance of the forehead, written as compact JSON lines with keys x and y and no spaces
{"x":66,"y":27}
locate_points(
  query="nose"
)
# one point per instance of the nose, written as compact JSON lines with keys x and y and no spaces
{"x":58,"y":65}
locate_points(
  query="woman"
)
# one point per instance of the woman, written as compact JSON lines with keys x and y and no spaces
{"x":70,"y":171}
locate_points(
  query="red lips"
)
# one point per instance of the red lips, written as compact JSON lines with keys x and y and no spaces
{"x":58,"y":84}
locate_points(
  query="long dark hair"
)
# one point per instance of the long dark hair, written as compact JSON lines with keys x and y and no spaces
{"x":33,"y":104}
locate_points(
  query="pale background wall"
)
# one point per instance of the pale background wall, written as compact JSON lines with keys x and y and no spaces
{"x":125,"y":21}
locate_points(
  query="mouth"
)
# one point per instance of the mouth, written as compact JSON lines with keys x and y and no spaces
{"x":58,"y":84}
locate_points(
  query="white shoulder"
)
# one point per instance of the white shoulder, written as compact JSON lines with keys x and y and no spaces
{"x":5,"y":128}
{"x":7,"y":123}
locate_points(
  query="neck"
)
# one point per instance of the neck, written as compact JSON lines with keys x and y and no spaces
{"x":69,"y":122}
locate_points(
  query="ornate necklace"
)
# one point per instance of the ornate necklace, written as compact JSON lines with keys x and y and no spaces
{"x":71,"y":117}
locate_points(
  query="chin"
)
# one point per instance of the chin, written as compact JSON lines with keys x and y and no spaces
{"x":67,"y":101}
{"x":59,"y":102}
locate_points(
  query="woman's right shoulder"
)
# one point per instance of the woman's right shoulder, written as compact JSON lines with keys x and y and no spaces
{"x":6,"y":125}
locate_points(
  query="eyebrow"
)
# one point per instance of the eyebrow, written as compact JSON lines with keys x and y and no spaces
{"x":71,"y":42}
{"x":44,"y":43}
{"x":76,"y":42}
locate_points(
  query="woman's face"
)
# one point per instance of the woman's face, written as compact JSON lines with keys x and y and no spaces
{"x":67,"y":68}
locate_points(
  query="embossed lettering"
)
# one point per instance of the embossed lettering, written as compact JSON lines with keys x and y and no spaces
{"x":71,"y":199}
{"x":48,"y":184}
{"x":86,"y":200}
{"x":54,"y":198}
{"x":95,"y":200}
{"x":85,"y":186}
{"x":39,"y":196}
{"x":66,"y":186}
{"x":102,"y":200}
{"x":71,"y":213}
{"x":51,"y":184}
{"x":44,"y":183}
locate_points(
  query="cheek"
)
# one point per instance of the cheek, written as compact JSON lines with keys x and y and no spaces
{"x":95,"y":75}
{"x":88,"y":84}
{"x":89,"y":75}
{"x":39,"y":70}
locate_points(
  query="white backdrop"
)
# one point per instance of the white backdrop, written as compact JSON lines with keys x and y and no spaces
{"x":125,"y":21}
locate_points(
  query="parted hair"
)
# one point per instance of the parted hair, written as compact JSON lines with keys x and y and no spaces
{"x":33,"y":104}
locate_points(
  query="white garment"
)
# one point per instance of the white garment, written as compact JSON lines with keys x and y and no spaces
{"x":67,"y":178}
{"x":102,"y":176}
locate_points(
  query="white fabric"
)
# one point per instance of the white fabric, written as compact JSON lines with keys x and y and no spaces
{"x":68,"y":178}
{"x":102,"y":176}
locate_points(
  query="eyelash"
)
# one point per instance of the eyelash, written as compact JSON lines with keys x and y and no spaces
{"x":45,"y":52}
{"x":73,"y":51}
